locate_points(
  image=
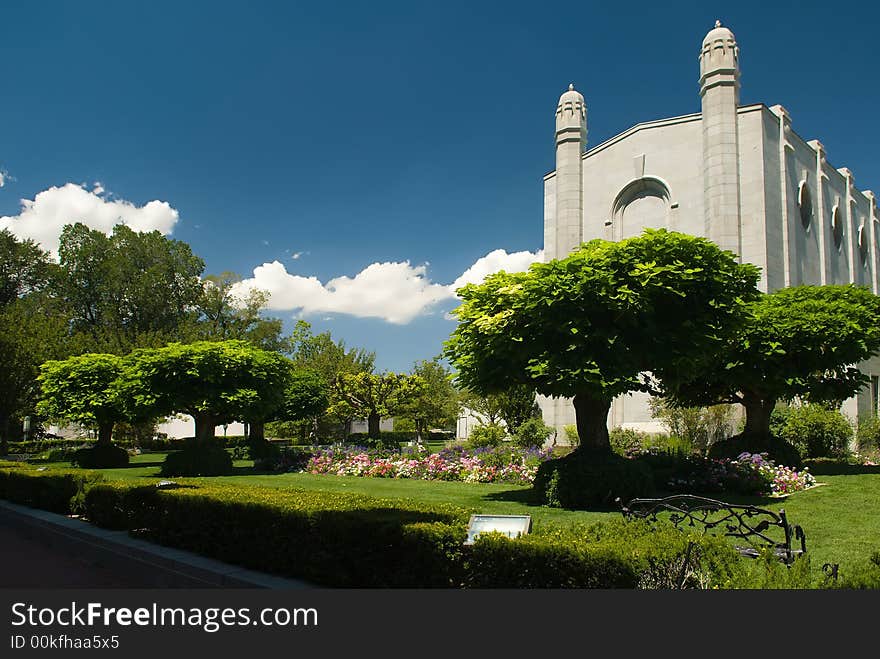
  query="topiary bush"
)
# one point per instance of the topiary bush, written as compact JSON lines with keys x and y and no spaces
{"x":486,"y":434}
{"x":817,"y":431}
{"x":100,"y":456}
{"x":198,"y":459}
{"x":590,"y":480}
{"x":532,"y":433}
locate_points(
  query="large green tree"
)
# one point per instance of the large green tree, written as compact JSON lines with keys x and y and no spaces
{"x":25,"y":268}
{"x":514,"y":405}
{"x":212,"y":381}
{"x":32,"y":331}
{"x":437,"y":405}
{"x":591,"y":326}
{"x":375,"y":395}
{"x":129,"y":289}
{"x":84,"y":389}
{"x":224,"y":314}
{"x":804,"y":341}
{"x":328,"y":358}
{"x":306,"y":396}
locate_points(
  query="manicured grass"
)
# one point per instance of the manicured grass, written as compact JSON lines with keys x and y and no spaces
{"x":841,"y":518}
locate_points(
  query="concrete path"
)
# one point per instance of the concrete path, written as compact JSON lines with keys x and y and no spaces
{"x":39,"y":549}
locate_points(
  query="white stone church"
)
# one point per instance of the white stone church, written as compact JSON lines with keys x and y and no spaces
{"x":736,"y":174}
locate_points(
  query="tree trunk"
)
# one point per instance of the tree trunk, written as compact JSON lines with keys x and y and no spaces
{"x":758,"y":412}
{"x":205,"y":425}
{"x":4,"y":435}
{"x":592,"y":423}
{"x":105,"y":433}
{"x":420,"y":429}
{"x":373,"y":426}
{"x":257,"y":431}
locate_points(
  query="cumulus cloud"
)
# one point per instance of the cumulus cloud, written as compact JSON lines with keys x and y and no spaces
{"x":4,"y":176}
{"x":43,"y":217}
{"x":495,"y":261}
{"x":397,"y":292}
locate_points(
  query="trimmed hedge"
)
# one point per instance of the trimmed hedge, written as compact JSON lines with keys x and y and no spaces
{"x":57,"y":490}
{"x":590,"y":479}
{"x":101,"y":456}
{"x":615,"y":554}
{"x":349,"y":540}
{"x":198,"y":459}
{"x":328,"y":538}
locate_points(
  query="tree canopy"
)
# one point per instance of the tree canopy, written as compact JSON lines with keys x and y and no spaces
{"x":212,"y":381}
{"x":592,"y":325}
{"x":437,"y":404}
{"x":128,"y":289}
{"x":804,"y":341}
{"x":84,"y":389}
{"x":374,"y":395}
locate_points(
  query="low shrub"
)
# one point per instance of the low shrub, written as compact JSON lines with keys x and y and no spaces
{"x":387,"y":439}
{"x":614,"y":554}
{"x":533,"y":433}
{"x":571,"y":434}
{"x":748,"y":474}
{"x":586,"y":480}
{"x":198,"y":459}
{"x":333,"y":539}
{"x":868,"y":434}
{"x":627,"y":441}
{"x":700,"y":427}
{"x":486,"y":434}
{"x":100,"y":456}
{"x":56,"y":490}
{"x":817,"y":431}
{"x":779,"y":450}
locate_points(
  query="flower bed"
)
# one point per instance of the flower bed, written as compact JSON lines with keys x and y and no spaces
{"x":749,"y":473}
{"x":486,"y":465}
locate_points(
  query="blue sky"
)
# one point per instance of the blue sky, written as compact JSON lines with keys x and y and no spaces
{"x":353,"y":134}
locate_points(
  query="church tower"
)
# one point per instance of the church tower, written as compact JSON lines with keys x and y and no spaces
{"x":719,"y":90}
{"x":571,"y":139}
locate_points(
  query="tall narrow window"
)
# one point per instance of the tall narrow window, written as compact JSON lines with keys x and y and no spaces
{"x":875,"y":394}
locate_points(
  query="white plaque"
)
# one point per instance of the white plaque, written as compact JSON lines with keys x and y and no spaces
{"x":512,"y":526}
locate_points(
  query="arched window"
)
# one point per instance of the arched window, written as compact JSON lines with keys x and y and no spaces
{"x":863,"y":243}
{"x":805,"y":204}
{"x":837,"y":227}
{"x":642,"y":203}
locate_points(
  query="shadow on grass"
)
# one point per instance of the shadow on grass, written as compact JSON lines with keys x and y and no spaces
{"x":529,"y":498}
{"x":833,"y":468}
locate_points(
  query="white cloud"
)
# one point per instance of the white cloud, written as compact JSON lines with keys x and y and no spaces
{"x":43,"y":218}
{"x":296,"y":255}
{"x":495,"y":261}
{"x":396,"y":292}
{"x":3,"y":176}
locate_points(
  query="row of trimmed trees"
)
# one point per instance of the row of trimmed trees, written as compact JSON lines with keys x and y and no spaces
{"x":667,"y":314}
{"x":216,"y":382}
{"x":213,"y":381}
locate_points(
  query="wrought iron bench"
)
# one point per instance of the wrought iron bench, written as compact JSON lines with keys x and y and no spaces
{"x":759,"y":528}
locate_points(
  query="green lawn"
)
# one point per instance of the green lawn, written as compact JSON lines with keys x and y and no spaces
{"x":841,"y":518}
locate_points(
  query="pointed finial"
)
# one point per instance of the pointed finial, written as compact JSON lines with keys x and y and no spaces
{"x":571,"y":86}
{"x":717,"y":23}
